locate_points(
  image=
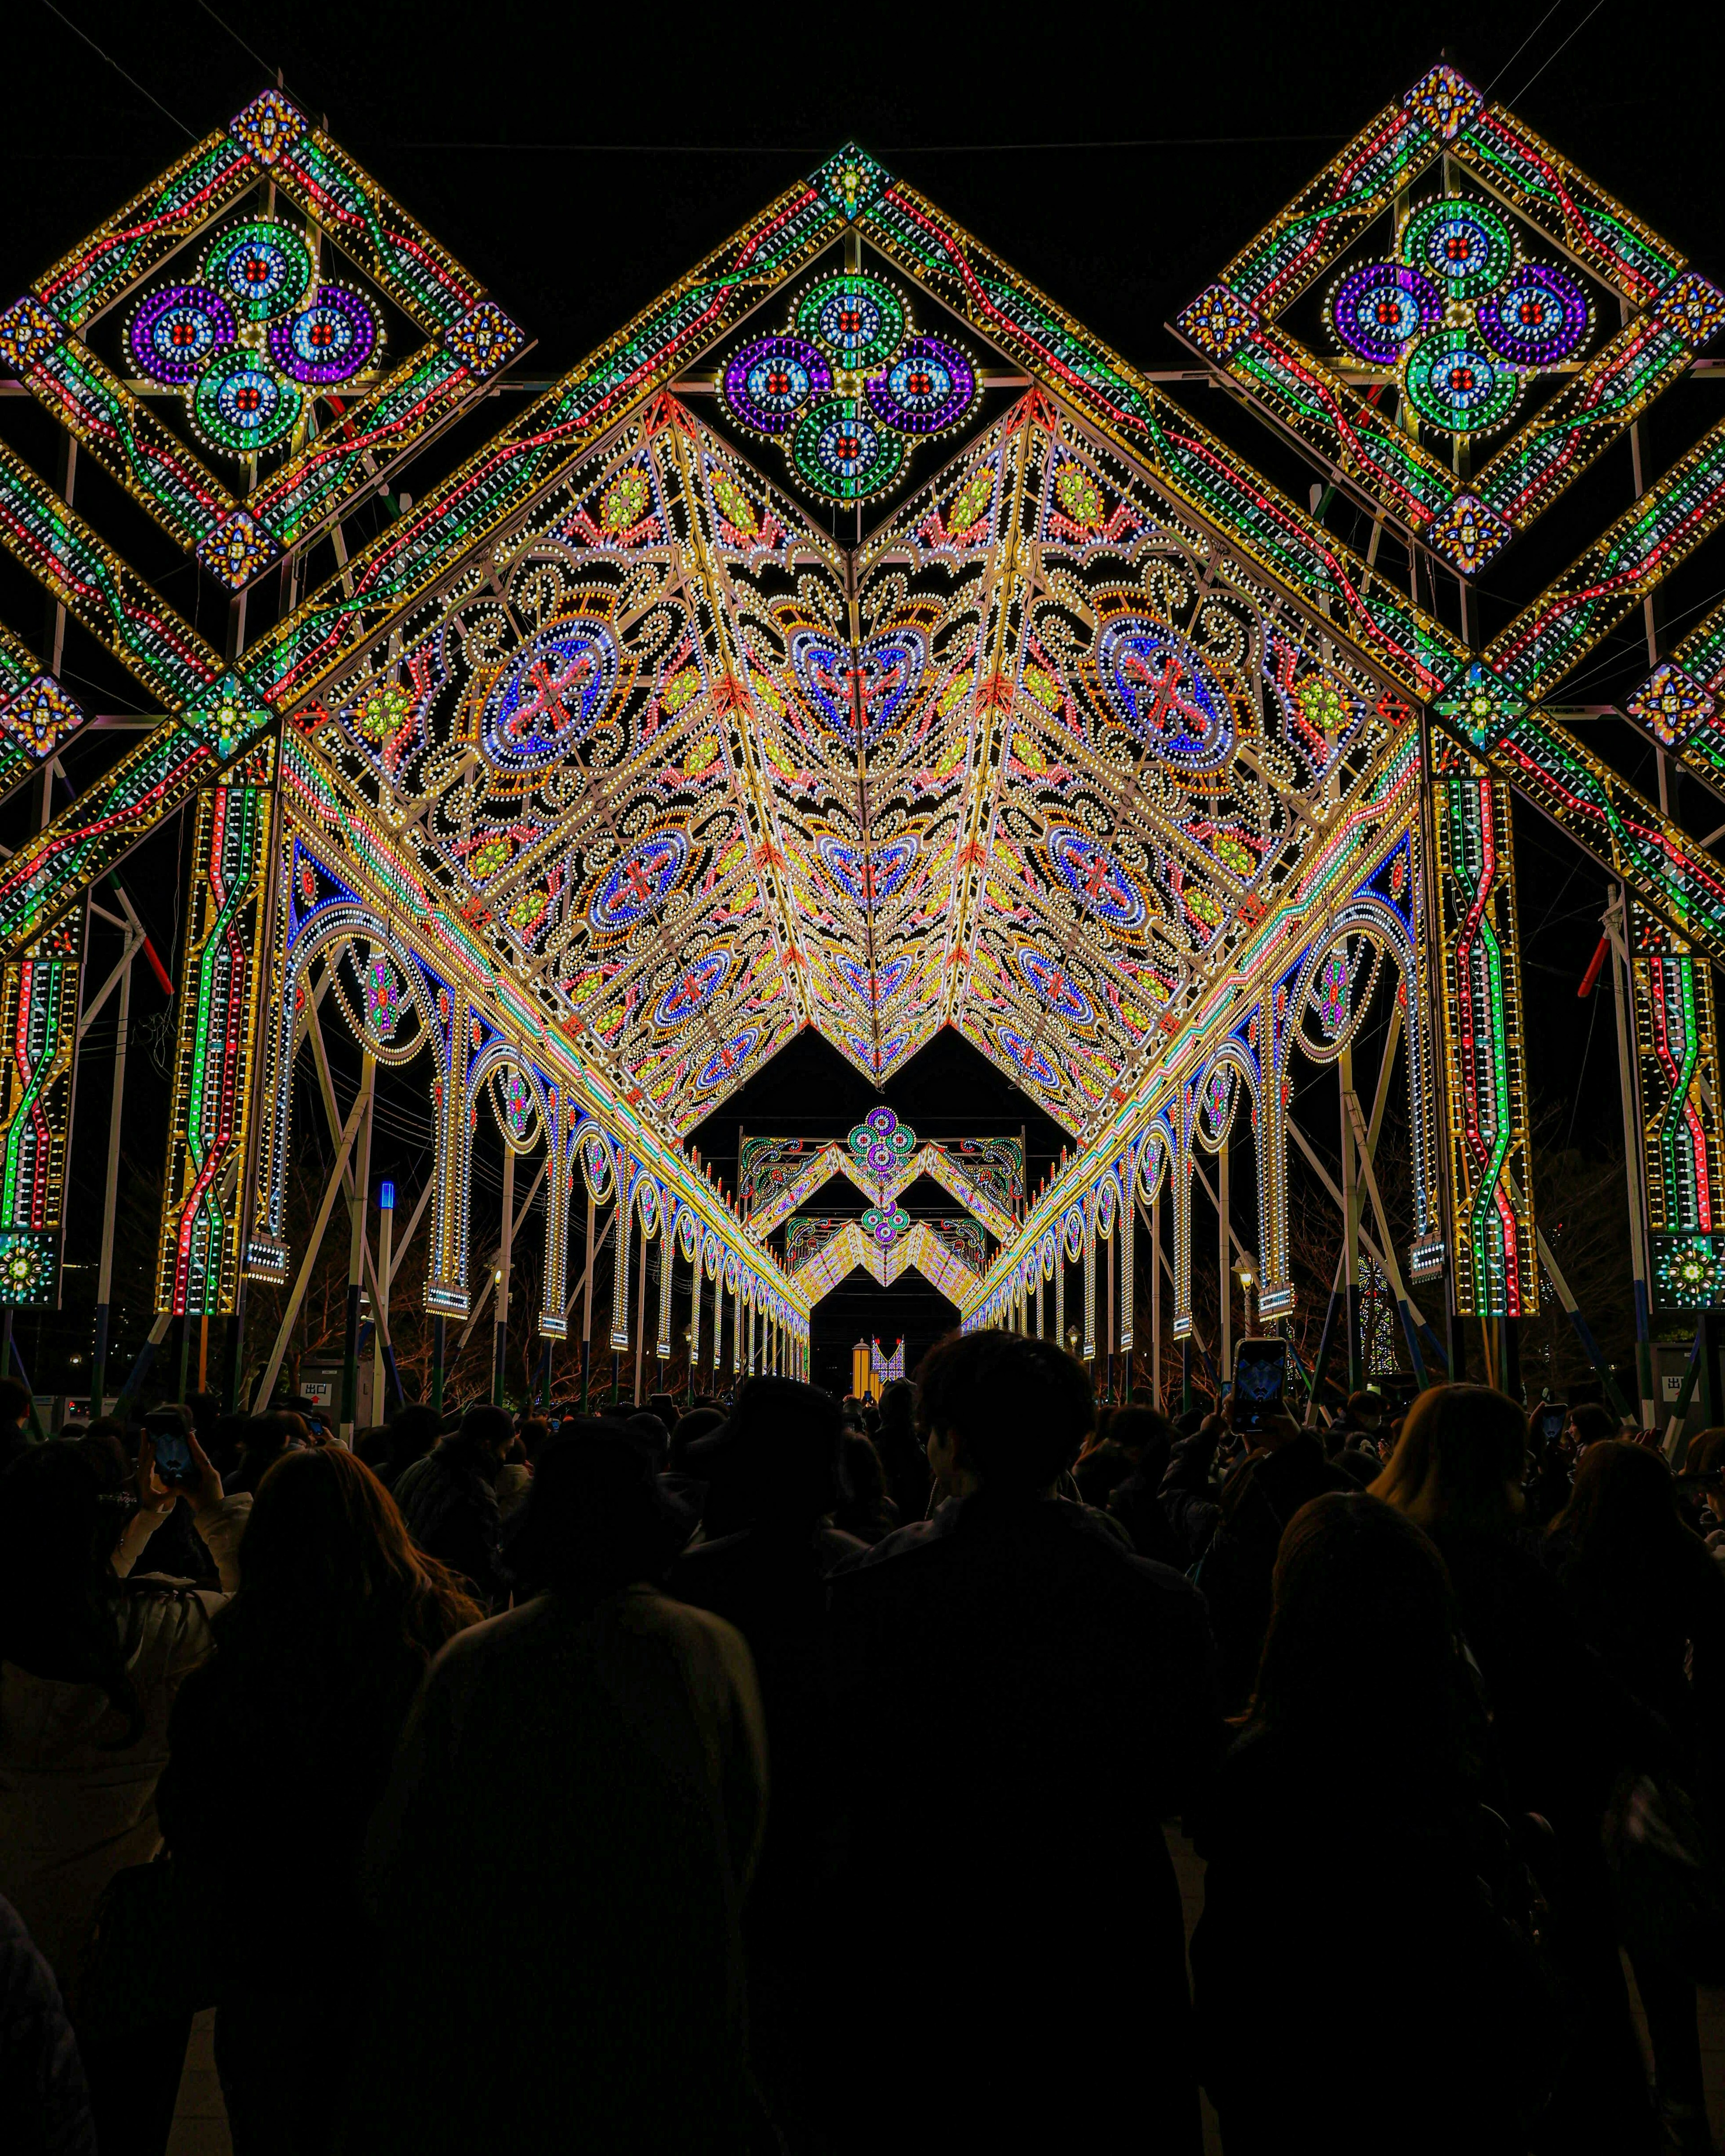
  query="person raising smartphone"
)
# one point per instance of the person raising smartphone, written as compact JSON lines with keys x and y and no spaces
{"x":92,"y":1650}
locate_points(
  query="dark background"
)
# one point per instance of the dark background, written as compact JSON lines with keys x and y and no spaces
{"x":1118,"y":157}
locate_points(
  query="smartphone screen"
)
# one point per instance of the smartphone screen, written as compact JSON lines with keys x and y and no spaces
{"x":173,"y":1456}
{"x":1261,"y":1380}
{"x":1551,"y":1423}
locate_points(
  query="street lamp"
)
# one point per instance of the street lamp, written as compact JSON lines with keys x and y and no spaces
{"x":1248,"y":1280}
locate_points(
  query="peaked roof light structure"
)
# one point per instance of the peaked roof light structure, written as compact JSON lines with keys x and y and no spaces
{"x":854,"y":641}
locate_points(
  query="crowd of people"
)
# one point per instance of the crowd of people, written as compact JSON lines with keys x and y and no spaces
{"x":788,"y":1774}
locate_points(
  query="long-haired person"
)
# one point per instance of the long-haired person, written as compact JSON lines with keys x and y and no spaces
{"x":559,"y":1864}
{"x":1562,"y":1728}
{"x":1651,"y":1602}
{"x":93,"y":1647}
{"x":1364,"y":1719}
{"x":280,"y":1746}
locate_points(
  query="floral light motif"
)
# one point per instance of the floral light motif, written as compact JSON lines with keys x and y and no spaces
{"x":886,"y":1228}
{"x":882,"y":1143}
{"x":26,"y":1266}
{"x":1332,"y":993}
{"x":385,"y":999}
{"x":249,"y":338}
{"x":519,"y":1106}
{"x":1460,"y":316}
{"x":847,"y":387}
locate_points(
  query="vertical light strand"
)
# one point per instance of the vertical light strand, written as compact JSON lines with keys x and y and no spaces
{"x":220,"y":976}
{"x":39,"y":993}
{"x":1479,"y":1002}
{"x":1677,"y":1090}
{"x":627,"y":1174}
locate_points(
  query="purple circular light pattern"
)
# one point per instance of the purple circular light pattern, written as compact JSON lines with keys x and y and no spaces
{"x":175,"y":333}
{"x":928,"y":386}
{"x":770,"y":380}
{"x":328,"y":340}
{"x":881,"y":1142}
{"x":883,"y":1227}
{"x":1537,"y":318}
{"x":1376,"y":309}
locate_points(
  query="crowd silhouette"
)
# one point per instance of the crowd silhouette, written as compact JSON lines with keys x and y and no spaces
{"x":797,"y":1775}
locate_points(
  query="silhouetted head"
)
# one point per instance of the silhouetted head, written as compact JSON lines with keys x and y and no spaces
{"x":412,"y":1434}
{"x":652,"y":1432}
{"x":1593,"y":1423}
{"x":63,"y":1510}
{"x":778,"y":1455}
{"x":898,"y":1404}
{"x":266,"y":1437}
{"x":699,"y":1422}
{"x":1458,"y":1461}
{"x":1004,"y":1411}
{"x":486,"y":1430}
{"x":593,"y":1521}
{"x":1146,"y":1436}
{"x":326,"y":1553}
{"x":864,"y":1475}
{"x":1622,"y":1516}
{"x":1363,"y":1661}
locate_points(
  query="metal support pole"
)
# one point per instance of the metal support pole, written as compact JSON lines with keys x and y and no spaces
{"x":587,"y":1316}
{"x":640,"y":1314}
{"x":500,"y":1331}
{"x":1350,"y":1227}
{"x":357,"y":1249}
{"x":380,"y":1316}
{"x":344,"y":1150}
{"x":1224,"y":1255}
{"x":439,"y":1350}
{"x":1156,"y":1391}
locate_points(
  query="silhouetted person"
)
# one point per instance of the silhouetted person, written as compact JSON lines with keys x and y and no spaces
{"x":1009,"y":1673}
{"x":773,"y":1474}
{"x":1145,"y":1440}
{"x":1562,"y":1732}
{"x":279,"y":1747}
{"x":866,"y":1510}
{"x":1365,"y":1710}
{"x":16,"y":1436}
{"x":93,"y":1648}
{"x":1592,"y":1423}
{"x":264,"y":1441}
{"x":561,"y":1855}
{"x":450,"y":1500}
{"x":900,"y":1445}
{"x":44,"y":2101}
{"x":1651,"y":1602}
{"x":413,"y":1432}
{"x":700,"y":1422}
{"x":1282,"y":1469}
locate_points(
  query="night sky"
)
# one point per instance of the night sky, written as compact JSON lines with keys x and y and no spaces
{"x":579,"y":172}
